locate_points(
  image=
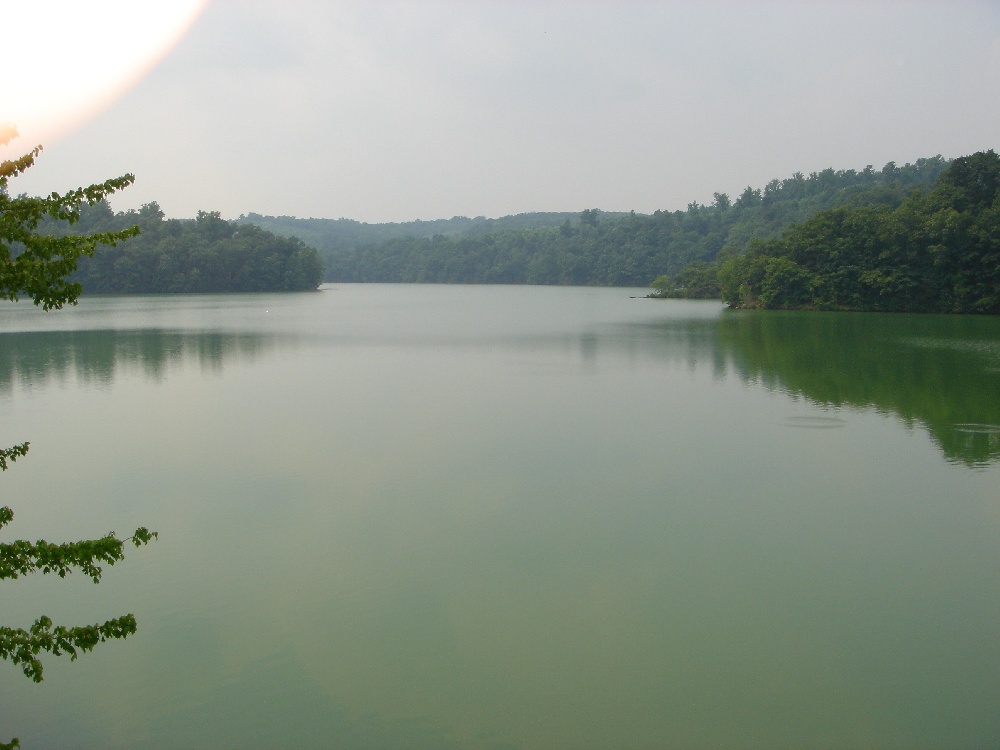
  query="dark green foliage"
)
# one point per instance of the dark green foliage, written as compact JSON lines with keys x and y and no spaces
{"x":593,"y":247}
{"x":937,"y":251}
{"x":697,"y":280}
{"x":18,"y":558}
{"x":22,"y":646}
{"x":208,"y":254}
{"x":21,"y":557}
{"x":971,"y":183}
{"x":38,"y":264}
{"x":11,"y":454}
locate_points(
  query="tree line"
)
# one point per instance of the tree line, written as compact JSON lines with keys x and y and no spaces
{"x":937,"y":251}
{"x":328,"y":235}
{"x":207,"y":254}
{"x":681,"y":253}
{"x":598,"y":248}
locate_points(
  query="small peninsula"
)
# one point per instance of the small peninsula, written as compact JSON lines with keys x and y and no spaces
{"x":206,"y":255}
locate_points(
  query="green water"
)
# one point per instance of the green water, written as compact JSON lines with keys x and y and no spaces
{"x":509,"y":517}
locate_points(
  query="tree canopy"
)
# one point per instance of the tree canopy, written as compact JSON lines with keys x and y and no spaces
{"x":592,"y":247}
{"x":937,"y":251}
{"x":37,"y":264}
{"x":208,"y":254}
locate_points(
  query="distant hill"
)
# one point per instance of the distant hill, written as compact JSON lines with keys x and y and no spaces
{"x":333,"y":236}
{"x":592,"y":247}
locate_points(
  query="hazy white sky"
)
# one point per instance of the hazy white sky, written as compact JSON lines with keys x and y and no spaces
{"x":393,"y":111}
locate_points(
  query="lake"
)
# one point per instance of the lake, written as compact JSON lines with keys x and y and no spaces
{"x":524,"y":518}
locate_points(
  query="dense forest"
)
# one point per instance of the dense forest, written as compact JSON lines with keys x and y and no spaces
{"x":783,"y":245}
{"x":207,"y":254}
{"x":937,"y":251}
{"x":592,"y":247}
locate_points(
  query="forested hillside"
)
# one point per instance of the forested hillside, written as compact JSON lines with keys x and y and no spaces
{"x":331,"y":236}
{"x":594,"y":248}
{"x":678,"y":248}
{"x":207,"y":254}
{"x":937,"y":251}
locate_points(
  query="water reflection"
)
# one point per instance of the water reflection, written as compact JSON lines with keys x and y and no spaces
{"x":815,"y":423}
{"x":935,"y":371}
{"x":95,"y":356}
{"x":939,"y":372}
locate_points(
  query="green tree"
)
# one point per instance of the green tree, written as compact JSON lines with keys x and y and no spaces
{"x":205,"y":255}
{"x":697,"y":280}
{"x":37,"y":265}
{"x":937,"y":251}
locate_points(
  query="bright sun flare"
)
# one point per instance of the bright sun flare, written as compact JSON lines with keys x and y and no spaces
{"x":66,"y":60}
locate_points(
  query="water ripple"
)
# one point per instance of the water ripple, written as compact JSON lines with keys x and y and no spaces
{"x":814,"y":423}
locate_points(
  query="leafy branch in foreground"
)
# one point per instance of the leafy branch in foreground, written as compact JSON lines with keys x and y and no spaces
{"x":22,"y":647}
{"x":38,"y":265}
{"x":21,"y":557}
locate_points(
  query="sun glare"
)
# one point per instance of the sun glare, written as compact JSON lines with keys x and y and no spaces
{"x":66,"y":60}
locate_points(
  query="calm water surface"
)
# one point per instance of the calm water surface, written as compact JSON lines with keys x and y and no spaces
{"x":505,"y":517}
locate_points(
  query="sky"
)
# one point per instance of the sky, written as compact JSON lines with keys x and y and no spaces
{"x":395,"y":111}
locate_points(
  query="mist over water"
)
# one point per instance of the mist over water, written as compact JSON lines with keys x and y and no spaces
{"x":509,"y":517}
